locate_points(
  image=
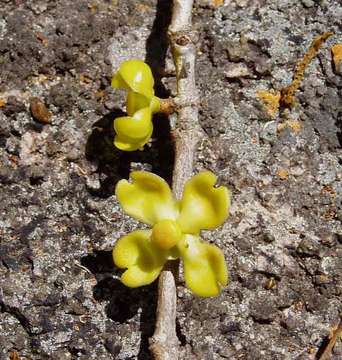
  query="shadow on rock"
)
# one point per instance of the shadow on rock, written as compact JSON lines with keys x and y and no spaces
{"x":114,"y":165}
{"x":111,"y":166}
{"x":123,"y":302}
{"x":156,"y":49}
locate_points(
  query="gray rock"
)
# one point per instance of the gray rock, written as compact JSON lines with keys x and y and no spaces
{"x":60,"y":296}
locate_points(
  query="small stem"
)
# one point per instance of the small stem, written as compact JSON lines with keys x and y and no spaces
{"x":164,"y":344}
{"x":326,"y":354}
{"x":167,"y":106}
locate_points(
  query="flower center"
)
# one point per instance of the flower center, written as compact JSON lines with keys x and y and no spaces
{"x":166,"y":234}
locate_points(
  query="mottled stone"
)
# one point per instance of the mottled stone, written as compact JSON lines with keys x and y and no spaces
{"x":60,"y":294}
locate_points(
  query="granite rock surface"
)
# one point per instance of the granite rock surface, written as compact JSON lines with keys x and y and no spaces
{"x":60,"y":297}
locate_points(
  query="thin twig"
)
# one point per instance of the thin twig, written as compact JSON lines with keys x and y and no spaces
{"x":164,"y":342}
{"x":326,"y":354}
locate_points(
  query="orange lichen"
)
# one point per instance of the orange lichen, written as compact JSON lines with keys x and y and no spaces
{"x":336,"y":51}
{"x":218,"y":2}
{"x":2,"y":103}
{"x":328,"y":189}
{"x":100,"y":95}
{"x":254,"y":140}
{"x":42,"y":38}
{"x":287,"y":93}
{"x":273,"y":100}
{"x":330,"y":213}
{"x":270,"y":100}
{"x":283,"y":174}
{"x":84,"y":78}
{"x":13,"y":355}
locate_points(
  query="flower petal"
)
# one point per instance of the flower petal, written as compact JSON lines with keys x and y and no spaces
{"x":134,"y":75}
{"x":205,"y":270}
{"x":136,"y":101}
{"x":119,"y":83}
{"x":148,"y":198}
{"x":125,"y":144}
{"x":134,"y":127}
{"x":136,"y":276}
{"x":142,"y":260}
{"x":203,"y":206}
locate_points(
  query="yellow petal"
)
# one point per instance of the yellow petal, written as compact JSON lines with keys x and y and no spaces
{"x":135,"y":276}
{"x":119,"y":83}
{"x":136,"y":127}
{"x":136,"y":101}
{"x":141,"y":258}
{"x":125,"y":144}
{"x":205,"y":270}
{"x":155,"y":104}
{"x":148,"y":198}
{"x":203,"y":206}
{"x":135,"y":75}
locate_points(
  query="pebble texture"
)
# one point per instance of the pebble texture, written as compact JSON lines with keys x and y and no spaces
{"x":60,"y":297}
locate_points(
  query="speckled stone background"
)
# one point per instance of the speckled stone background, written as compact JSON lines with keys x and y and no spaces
{"x":60,"y":297}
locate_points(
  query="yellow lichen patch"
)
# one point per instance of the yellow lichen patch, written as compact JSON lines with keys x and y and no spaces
{"x":100,"y":95}
{"x":218,"y":2}
{"x":270,"y":100}
{"x":270,"y":284}
{"x":40,"y":79}
{"x":93,"y":7}
{"x":287,"y":93}
{"x":283,"y":174}
{"x":293,"y":125}
{"x":2,"y":103}
{"x":143,"y":8}
{"x":336,"y":51}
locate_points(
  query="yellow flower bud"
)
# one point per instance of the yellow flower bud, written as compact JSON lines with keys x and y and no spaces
{"x":134,"y":131}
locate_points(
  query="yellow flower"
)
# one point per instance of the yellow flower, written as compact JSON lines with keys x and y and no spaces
{"x":176,"y":226}
{"x":135,"y":130}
